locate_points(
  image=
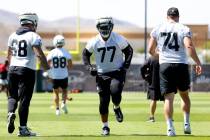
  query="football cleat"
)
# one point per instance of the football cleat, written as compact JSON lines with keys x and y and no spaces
{"x":64,"y":108}
{"x":118,"y":114}
{"x":57,"y":112}
{"x":105,"y":131}
{"x":25,"y":132}
{"x":10,"y":122}
{"x":151,"y":119}
{"x":187,"y":129}
{"x":171,"y":132}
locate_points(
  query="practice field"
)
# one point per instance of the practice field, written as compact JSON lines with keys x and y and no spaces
{"x":83,"y":121}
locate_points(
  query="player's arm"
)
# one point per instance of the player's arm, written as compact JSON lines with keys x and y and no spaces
{"x":9,"y":54}
{"x":192,"y":53}
{"x":128,"y":51}
{"x":69,"y":64}
{"x":39,"y":53}
{"x":152,"y":46}
{"x":86,"y":60}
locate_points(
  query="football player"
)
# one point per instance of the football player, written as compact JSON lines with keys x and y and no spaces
{"x":173,"y":39}
{"x":113,"y":56}
{"x":150,"y":73}
{"x":23,"y":45}
{"x":60,"y":62}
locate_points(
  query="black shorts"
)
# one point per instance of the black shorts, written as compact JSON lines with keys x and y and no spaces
{"x":174,"y":76}
{"x":154,"y":94}
{"x":62,"y":83}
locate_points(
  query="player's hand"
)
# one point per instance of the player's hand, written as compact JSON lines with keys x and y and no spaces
{"x":93,"y":71}
{"x":198,"y":69}
{"x":50,"y":73}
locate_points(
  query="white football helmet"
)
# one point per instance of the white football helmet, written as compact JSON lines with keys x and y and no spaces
{"x":58,"y":41}
{"x":105,"y":26}
{"x":28,"y":18}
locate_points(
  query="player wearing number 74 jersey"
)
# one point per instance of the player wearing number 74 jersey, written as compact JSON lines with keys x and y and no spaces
{"x":60,"y":62}
{"x":173,"y":40}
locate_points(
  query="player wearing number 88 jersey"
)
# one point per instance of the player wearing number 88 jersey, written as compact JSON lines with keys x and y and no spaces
{"x":60,"y":62}
{"x":113,"y":56}
{"x":173,"y":40}
{"x":23,"y":45}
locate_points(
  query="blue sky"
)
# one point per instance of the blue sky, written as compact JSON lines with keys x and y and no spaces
{"x":191,"y":11}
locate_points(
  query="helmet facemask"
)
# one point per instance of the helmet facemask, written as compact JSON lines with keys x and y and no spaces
{"x":105,"y":26}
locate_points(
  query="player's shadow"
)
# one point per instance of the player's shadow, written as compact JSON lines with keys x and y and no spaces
{"x":137,"y":135}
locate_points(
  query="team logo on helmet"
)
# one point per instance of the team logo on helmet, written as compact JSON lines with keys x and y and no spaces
{"x":105,"y":26}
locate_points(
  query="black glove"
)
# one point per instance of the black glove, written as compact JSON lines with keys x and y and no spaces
{"x":92,"y":71}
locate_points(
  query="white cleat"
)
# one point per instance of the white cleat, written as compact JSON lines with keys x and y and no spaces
{"x":64,"y":108}
{"x":57,"y":112}
{"x":171,"y":132}
{"x":187,"y":129}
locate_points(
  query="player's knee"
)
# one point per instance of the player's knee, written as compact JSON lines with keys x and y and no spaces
{"x":116,"y":87}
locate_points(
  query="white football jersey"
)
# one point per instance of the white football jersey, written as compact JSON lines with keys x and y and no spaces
{"x":108,"y":54}
{"x":169,"y":37}
{"x":59,"y":60}
{"x":22,"y":51}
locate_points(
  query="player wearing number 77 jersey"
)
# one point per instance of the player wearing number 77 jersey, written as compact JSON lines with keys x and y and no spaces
{"x":23,"y":45}
{"x":60,"y":62}
{"x":172,"y":40}
{"x":113,"y":56}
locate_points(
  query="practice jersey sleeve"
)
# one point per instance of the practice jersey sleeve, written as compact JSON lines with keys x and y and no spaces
{"x":154,"y":32}
{"x":36,"y":40}
{"x":68,"y":55}
{"x":90,"y":45}
{"x":187,"y":32}
{"x":9,"y":43}
{"x":122,"y":42}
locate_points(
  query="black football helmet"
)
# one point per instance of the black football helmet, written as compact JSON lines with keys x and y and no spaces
{"x":104,"y":26}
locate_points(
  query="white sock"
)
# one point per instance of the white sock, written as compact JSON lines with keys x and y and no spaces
{"x":105,"y":124}
{"x":22,"y":127}
{"x":169,"y":123}
{"x":186,"y":118}
{"x":115,"y":107}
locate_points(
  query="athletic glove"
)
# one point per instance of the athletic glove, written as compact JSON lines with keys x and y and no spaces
{"x":92,"y":70}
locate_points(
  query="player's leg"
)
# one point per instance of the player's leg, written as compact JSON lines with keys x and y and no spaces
{"x":183,"y":86}
{"x":12,"y":101}
{"x":56,"y":100}
{"x":153,"y":104}
{"x":185,"y":106}
{"x":25,"y":93}
{"x":168,"y":113}
{"x":116,"y":88}
{"x":104,"y":97}
{"x":168,"y":89}
{"x":64,"y":85}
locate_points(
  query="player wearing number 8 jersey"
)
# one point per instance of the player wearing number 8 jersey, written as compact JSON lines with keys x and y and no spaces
{"x":23,"y":45}
{"x":113,"y":56}
{"x":172,"y":40}
{"x":60,"y":62}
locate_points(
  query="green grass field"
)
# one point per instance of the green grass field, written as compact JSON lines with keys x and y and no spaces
{"x":83,"y":121}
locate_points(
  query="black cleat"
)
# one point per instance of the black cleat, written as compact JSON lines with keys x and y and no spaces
{"x":10,"y":124}
{"x":25,"y":132}
{"x":105,"y":131}
{"x":118,"y":114}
